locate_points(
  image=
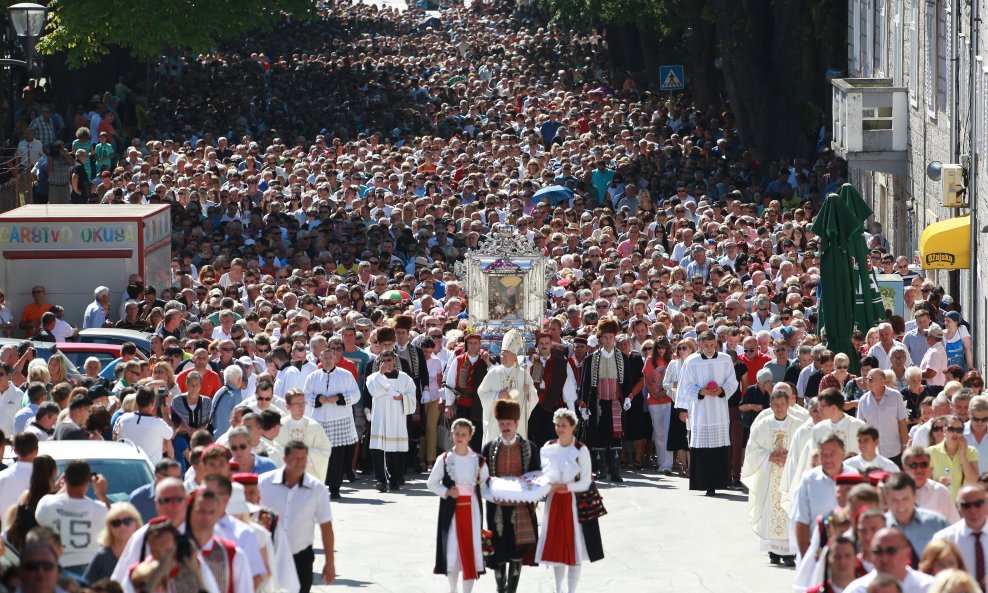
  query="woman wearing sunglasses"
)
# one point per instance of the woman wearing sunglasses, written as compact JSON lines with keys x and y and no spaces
{"x":954,"y":462}
{"x":122,"y":520}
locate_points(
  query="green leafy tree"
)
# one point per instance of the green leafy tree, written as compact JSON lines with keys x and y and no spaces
{"x":146,"y":28}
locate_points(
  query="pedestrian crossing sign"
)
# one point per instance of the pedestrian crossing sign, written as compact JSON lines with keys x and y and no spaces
{"x":671,"y":78}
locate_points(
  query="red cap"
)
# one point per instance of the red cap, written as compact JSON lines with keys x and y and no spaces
{"x":244,"y":478}
{"x":849,"y":478}
{"x":876,"y":477}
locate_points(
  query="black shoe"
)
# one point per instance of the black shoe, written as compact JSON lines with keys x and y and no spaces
{"x":351,"y":476}
{"x":417,"y":466}
{"x":789,"y":561}
{"x":335,"y":495}
{"x":396,"y":486}
{"x":381,"y":487}
{"x":667,"y":472}
{"x":774,"y":558}
{"x":711,"y":493}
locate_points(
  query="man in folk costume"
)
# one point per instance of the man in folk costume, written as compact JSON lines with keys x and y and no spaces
{"x":555,"y":382}
{"x":764,"y":460}
{"x":605,"y":386}
{"x":705,"y":381}
{"x":463,"y":377}
{"x":507,"y":381}
{"x":225,"y":560}
{"x":393,"y":393}
{"x":330,"y":394}
{"x":514,"y":527}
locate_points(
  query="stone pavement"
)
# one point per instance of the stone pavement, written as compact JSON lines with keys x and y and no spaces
{"x":658,"y":537}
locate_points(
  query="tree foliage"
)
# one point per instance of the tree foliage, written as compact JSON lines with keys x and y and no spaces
{"x":86,"y":30}
{"x":773,"y":56}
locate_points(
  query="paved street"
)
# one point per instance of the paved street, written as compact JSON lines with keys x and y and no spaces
{"x":658,"y":537}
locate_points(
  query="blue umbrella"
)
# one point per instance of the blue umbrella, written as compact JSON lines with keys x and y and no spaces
{"x":554,"y":194}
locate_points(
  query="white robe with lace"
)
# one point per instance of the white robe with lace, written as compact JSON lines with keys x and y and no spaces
{"x":763,"y":478}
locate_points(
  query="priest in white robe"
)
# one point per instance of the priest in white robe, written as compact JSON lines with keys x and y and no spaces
{"x":299,"y":427}
{"x":508,"y":380}
{"x":795,"y":466}
{"x":706,"y":380}
{"x":393,"y":395}
{"x":764,"y":460}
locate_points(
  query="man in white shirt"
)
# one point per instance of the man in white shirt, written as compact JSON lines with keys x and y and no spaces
{"x":817,"y":492}
{"x":930,"y":494}
{"x":976,"y":429}
{"x":10,"y":400}
{"x":882,"y":351}
{"x":28,"y":150}
{"x":869,"y":457}
{"x":17,"y":477}
{"x":330,"y":394}
{"x":968,"y":533}
{"x":891,"y":552}
{"x":934,"y":361}
{"x":884,"y":408}
{"x":77,"y":519}
{"x":300,"y":500}
{"x":142,"y":427}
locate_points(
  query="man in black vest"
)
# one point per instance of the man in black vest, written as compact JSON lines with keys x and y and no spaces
{"x":605,"y":389}
{"x":514,"y":528}
{"x":463,"y":376}
{"x":556,"y":387}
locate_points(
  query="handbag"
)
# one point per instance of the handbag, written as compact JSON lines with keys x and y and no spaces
{"x":590,"y":504}
{"x":444,"y":439}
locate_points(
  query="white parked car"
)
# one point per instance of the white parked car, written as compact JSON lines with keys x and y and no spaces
{"x":125,"y":467}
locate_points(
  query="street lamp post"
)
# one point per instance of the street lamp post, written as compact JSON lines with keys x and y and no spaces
{"x":28,"y":20}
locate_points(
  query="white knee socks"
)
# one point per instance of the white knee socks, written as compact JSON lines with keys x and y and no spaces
{"x":573,"y":578}
{"x":571,"y":574}
{"x":453,"y":577}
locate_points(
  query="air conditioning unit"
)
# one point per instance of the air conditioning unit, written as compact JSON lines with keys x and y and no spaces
{"x":954,"y":192}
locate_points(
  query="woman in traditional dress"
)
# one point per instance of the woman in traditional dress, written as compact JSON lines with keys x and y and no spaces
{"x":565,"y":542}
{"x":458,"y":477}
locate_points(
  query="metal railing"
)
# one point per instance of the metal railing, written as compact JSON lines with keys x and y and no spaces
{"x":15,"y":184}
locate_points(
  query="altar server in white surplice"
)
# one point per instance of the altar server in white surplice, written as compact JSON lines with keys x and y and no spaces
{"x":393,"y":393}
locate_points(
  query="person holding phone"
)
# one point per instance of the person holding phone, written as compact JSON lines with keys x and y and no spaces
{"x":143,"y":427}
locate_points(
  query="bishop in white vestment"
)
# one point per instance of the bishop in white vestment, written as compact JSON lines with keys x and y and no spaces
{"x":508,"y":380}
{"x":764,"y":460}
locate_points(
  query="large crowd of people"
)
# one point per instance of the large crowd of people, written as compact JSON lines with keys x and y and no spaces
{"x":324,"y":178}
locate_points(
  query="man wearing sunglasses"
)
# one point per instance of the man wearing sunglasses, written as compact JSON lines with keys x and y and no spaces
{"x":143,"y":498}
{"x":967,"y":534}
{"x":891,"y":552}
{"x":930,"y":494}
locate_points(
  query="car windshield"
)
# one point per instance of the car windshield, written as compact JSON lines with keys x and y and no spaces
{"x":124,"y":476}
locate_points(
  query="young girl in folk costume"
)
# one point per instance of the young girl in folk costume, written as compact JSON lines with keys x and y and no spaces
{"x":564,"y":542}
{"x":459,"y":477}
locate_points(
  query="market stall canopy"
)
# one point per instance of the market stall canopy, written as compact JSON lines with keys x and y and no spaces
{"x":946,"y":245}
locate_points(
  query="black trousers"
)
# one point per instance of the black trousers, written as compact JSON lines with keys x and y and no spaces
{"x":477,"y":441}
{"x":303,"y":566}
{"x":541,"y":428}
{"x":388,"y":467}
{"x":337,"y":462}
